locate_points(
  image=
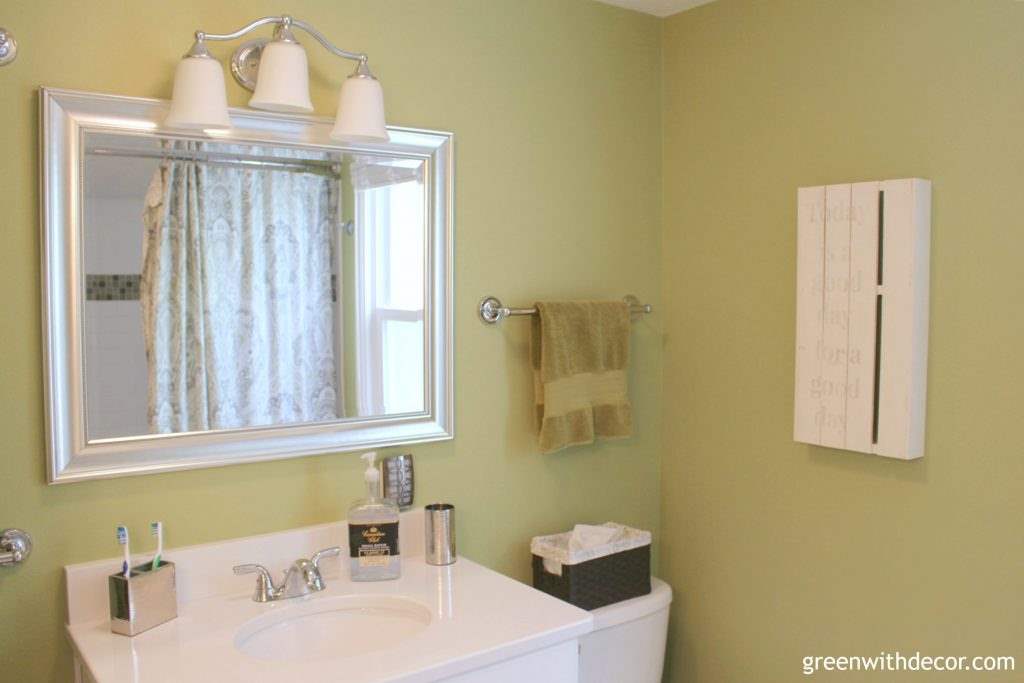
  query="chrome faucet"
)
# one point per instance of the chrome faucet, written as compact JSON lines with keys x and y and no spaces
{"x":302,"y":578}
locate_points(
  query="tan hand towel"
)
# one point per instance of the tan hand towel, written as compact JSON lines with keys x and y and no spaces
{"x":580,"y":351}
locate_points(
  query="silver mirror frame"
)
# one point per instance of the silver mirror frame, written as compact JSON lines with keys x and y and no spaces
{"x":65,"y":116}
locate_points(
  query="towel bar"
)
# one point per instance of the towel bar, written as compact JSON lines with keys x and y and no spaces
{"x":492,"y":310}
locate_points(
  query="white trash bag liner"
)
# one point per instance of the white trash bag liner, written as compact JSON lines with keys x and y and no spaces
{"x":586,"y":542}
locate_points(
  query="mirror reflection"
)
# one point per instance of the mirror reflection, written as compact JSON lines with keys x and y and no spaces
{"x":237,"y":285}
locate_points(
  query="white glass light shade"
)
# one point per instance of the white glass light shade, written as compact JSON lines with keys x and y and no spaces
{"x":199,"y":101}
{"x":282,"y":83}
{"x":360,"y":111}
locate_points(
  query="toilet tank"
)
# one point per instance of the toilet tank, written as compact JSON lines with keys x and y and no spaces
{"x":627,"y":644}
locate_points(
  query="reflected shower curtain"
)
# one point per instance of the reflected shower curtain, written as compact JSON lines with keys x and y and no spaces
{"x":236,"y":294}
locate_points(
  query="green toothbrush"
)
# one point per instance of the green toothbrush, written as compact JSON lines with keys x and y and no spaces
{"x":157,"y":529}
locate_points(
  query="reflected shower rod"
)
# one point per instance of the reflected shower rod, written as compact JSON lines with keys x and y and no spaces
{"x":318,"y":166}
{"x":493,"y":311}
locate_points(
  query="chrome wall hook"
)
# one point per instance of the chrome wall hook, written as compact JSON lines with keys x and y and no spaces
{"x":8,"y":47}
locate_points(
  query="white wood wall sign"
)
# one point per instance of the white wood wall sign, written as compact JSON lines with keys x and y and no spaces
{"x":862,"y":316}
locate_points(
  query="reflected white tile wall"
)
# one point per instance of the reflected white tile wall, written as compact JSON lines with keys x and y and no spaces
{"x":115,"y":369}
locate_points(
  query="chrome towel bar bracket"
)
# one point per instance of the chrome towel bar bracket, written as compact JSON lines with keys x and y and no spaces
{"x":15,"y":546}
{"x":491,"y":309}
{"x":8,"y":47}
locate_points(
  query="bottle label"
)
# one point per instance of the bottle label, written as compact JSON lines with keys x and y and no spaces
{"x":373,"y":544}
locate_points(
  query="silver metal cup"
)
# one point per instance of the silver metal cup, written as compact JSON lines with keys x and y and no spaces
{"x":440,"y":533}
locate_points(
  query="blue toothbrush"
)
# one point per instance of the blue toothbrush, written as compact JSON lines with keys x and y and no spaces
{"x":122,"y":540}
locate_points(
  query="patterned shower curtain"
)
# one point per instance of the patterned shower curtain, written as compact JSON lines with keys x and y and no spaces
{"x":236,"y":294}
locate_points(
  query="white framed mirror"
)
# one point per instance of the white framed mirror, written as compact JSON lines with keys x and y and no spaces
{"x":255,"y":294}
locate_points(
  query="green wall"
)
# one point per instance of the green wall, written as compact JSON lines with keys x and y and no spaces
{"x":555,"y":105}
{"x":601,"y":152}
{"x":779,"y":550}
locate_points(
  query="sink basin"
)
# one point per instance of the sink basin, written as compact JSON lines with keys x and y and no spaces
{"x":331,"y":627}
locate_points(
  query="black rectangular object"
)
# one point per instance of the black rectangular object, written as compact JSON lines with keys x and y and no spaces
{"x":598,"y":582}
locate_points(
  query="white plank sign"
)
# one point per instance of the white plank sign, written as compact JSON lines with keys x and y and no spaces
{"x":862,"y":316}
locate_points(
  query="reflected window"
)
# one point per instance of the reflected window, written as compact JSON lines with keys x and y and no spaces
{"x":390,"y":257}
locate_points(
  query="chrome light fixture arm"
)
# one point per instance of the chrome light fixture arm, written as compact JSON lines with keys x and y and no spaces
{"x":245,"y":60}
{"x":285,"y":22}
{"x":328,"y":45}
{"x":248,"y":28}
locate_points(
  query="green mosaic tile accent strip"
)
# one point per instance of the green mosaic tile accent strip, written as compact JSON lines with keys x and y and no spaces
{"x":125,"y":287}
{"x":112,"y":287}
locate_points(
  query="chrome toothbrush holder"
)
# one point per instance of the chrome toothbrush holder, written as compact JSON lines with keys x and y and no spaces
{"x":398,"y":482}
{"x":440,"y":534}
{"x":146,"y":598}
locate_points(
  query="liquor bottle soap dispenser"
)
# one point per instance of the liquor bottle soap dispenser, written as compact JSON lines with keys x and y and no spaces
{"x":373,"y":531}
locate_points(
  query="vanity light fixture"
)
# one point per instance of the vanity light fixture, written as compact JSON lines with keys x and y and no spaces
{"x":277,"y":72}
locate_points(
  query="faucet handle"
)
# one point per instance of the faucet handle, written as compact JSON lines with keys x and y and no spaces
{"x":252,"y":569}
{"x":333,"y":551}
{"x":265,"y":588}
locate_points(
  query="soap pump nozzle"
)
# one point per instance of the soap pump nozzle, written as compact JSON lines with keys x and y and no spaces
{"x":372,"y":474}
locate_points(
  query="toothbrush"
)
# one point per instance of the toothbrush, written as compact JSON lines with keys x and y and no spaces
{"x":122,"y":539}
{"x":157,"y":529}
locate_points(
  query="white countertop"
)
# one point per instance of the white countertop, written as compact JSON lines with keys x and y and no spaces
{"x":477,"y":617}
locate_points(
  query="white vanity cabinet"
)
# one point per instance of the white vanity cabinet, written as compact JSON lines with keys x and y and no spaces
{"x":557,"y":664}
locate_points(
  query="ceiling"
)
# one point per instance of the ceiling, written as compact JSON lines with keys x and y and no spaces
{"x":659,"y":8}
